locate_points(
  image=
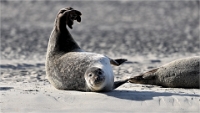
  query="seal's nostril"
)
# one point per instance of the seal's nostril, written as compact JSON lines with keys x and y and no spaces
{"x":98,"y":78}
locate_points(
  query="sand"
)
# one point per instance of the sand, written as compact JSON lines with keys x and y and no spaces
{"x":24,"y":89}
{"x":147,"y":33}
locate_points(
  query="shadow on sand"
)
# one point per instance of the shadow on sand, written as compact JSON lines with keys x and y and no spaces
{"x":143,"y":95}
{"x":5,"y":88}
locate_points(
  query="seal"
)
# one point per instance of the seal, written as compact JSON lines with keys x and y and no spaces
{"x":181,"y":73}
{"x":68,"y":67}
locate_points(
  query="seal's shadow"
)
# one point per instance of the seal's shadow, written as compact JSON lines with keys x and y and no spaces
{"x":5,"y":88}
{"x":142,"y":95}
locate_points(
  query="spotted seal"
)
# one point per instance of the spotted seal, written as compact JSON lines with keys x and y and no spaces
{"x":68,"y":67}
{"x":181,"y":73}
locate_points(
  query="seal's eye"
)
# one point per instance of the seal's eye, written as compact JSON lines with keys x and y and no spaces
{"x":90,"y":75}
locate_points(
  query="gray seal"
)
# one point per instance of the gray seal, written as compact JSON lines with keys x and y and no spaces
{"x":68,"y":67}
{"x":181,"y":73}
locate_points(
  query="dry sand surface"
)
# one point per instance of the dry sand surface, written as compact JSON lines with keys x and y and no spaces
{"x":147,"y":33}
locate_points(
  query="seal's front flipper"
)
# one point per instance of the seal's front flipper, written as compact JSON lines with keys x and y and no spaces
{"x":117,"y":62}
{"x":119,"y":83}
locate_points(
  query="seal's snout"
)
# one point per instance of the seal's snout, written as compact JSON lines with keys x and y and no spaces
{"x":97,"y":75}
{"x":99,"y":78}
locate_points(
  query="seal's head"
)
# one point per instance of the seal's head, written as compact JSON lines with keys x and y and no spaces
{"x":95,"y":78}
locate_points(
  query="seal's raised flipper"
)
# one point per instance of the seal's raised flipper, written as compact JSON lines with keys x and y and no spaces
{"x":119,"y":83}
{"x":117,"y":62}
{"x":66,"y":16}
{"x":61,"y":41}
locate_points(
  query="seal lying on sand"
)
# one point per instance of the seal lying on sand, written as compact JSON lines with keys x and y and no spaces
{"x":182,"y":73}
{"x":68,"y":67}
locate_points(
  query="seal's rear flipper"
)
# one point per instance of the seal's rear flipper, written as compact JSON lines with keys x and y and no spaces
{"x":150,"y":75}
{"x":117,"y":62}
{"x":144,"y":78}
{"x":136,"y":79}
{"x":119,"y":83}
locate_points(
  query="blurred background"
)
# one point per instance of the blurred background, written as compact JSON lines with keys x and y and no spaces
{"x":158,"y":28}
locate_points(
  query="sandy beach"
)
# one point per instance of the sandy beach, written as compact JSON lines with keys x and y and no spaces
{"x":147,"y":33}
